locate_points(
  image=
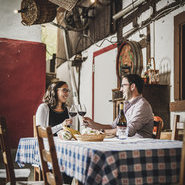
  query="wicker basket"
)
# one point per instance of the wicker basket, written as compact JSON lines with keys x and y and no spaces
{"x":66,"y":4}
{"x":37,"y":12}
{"x":90,"y":137}
{"x":153,"y":73}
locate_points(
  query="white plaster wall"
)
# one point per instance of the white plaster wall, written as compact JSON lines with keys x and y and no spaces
{"x":86,"y":80}
{"x":162,"y":48}
{"x":63,"y":74}
{"x":105,"y":81}
{"x":11,"y":26}
{"x":164,"y":52}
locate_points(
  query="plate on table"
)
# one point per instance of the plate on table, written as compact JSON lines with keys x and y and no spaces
{"x":90,"y":137}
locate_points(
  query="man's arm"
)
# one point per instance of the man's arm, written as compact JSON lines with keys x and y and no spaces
{"x":94,"y":125}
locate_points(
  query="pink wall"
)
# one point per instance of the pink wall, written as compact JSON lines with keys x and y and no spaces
{"x":22,"y":85}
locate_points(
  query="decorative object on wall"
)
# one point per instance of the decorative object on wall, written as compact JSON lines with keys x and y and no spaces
{"x":77,"y":18}
{"x":153,"y":74}
{"x":76,"y":15}
{"x":37,"y":12}
{"x":129,"y":59}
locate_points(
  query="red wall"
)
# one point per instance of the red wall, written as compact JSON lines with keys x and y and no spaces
{"x":22,"y":85}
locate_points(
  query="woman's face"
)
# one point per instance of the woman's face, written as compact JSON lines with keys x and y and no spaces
{"x":63,"y":93}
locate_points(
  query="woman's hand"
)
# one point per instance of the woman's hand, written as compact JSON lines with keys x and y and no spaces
{"x":88,"y":122}
{"x":67,"y":122}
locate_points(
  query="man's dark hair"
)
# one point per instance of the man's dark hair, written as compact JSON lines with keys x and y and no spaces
{"x":137,"y":80}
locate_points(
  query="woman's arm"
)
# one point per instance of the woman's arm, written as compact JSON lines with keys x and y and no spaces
{"x":42,"y":115}
{"x":42,"y":118}
{"x":58,"y":127}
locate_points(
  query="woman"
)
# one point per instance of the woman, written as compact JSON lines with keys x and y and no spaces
{"x":53,"y":112}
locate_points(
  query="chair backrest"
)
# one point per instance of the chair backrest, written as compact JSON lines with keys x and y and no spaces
{"x":174,"y":129}
{"x":37,"y":171}
{"x":5,"y":149}
{"x":157,"y":129}
{"x":48,"y":154}
{"x":34,"y":126}
{"x":177,"y":127}
{"x":182,"y":168}
{"x":178,"y":106}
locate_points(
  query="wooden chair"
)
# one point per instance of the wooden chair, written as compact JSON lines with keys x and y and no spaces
{"x":10,"y":175}
{"x":177,"y":128}
{"x":182,"y":167}
{"x":157,"y":128}
{"x":37,"y":171}
{"x":54,"y":176}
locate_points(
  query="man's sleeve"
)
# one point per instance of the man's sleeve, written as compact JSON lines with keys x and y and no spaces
{"x":141,"y":116}
{"x":114,"y":123}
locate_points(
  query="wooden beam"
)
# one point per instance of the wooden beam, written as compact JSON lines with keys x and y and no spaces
{"x":148,"y":48}
{"x":177,"y":106}
{"x":157,"y":15}
{"x":128,"y":19}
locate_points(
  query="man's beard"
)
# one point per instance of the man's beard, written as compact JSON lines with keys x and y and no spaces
{"x":127,"y":95}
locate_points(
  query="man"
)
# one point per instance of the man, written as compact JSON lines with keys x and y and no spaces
{"x":138,"y":111}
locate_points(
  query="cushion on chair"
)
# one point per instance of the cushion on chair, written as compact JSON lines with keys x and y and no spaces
{"x":19,"y":173}
{"x":28,"y":183}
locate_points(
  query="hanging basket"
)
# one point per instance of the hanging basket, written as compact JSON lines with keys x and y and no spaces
{"x":65,"y":4}
{"x":153,"y":74}
{"x":37,"y":12}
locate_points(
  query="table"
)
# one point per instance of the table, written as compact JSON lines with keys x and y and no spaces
{"x":131,"y":161}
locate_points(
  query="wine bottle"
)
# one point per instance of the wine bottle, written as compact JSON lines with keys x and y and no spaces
{"x":121,"y":123}
{"x":121,"y":116}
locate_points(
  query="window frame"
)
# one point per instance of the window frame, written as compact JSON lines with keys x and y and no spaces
{"x":179,"y":20}
{"x":179,"y":104}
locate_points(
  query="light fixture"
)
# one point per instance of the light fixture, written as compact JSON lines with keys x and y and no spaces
{"x":15,"y":11}
{"x":21,"y":11}
{"x":92,"y":1}
{"x":77,"y":60}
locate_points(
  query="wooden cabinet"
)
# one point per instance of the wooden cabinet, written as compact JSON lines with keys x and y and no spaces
{"x":157,"y":95}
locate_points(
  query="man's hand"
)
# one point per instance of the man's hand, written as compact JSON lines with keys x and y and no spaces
{"x":88,"y":122}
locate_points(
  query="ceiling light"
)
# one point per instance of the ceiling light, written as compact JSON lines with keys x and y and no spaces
{"x":92,"y":1}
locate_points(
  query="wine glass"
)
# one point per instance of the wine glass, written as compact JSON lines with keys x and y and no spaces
{"x":81,"y":109}
{"x":72,"y":111}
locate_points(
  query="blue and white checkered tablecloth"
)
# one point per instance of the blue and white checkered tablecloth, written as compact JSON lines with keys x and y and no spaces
{"x":112,"y":162}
